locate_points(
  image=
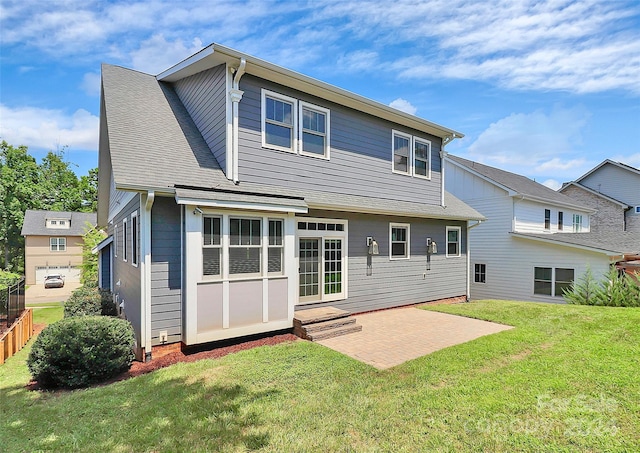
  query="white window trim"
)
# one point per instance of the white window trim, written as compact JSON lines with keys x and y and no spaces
{"x":262,"y":247}
{"x":459,"y":229}
{"x":393,"y":153}
{"x":413,"y":160}
{"x":124,"y":240}
{"x":554,"y":279}
{"x":577,"y":227}
{"x":305,"y":105}
{"x":263,"y":122}
{"x":57,"y":238}
{"x":400,"y":225}
{"x":134,"y":249}
{"x":212,"y":246}
{"x":115,"y":240}
{"x":280,"y":247}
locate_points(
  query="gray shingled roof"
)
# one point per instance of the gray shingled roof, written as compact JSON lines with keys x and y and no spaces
{"x":154,"y":144}
{"x":35,"y":223}
{"x":623,"y":242}
{"x":519,"y":184}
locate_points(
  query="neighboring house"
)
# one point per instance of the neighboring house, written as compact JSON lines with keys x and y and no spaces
{"x":535,"y":241}
{"x":612,"y":190}
{"x":235,"y":192}
{"x":53,"y":243}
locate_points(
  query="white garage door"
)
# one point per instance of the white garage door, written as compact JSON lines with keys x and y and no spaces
{"x":71,"y":274}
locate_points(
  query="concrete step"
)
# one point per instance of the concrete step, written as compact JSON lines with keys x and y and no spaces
{"x":328,"y":325}
{"x":335,"y":332}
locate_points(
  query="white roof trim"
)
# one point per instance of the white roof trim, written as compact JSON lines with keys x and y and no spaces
{"x":102,"y":244}
{"x":609,"y":161}
{"x":243,"y":205}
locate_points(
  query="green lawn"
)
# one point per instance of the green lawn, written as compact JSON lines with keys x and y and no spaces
{"x":565,"y":379}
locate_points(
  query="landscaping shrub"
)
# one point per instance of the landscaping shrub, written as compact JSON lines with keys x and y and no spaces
{"x":80,"y":351}
{"x":90,"y":301}
{"x":614,"y":290}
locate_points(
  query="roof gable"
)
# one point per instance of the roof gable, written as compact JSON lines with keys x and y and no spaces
{"x":517,"y":185}
{"x":620,"y":165}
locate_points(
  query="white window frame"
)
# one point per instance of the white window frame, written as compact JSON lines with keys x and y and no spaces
{"x":134,"y":239}
{"x":275,"y":246}
{"x":212,"y":246}
{"x":560,"y":220}
{"x":459,"y":241}
{"x":637,"y":209}
{"x":60,"y":241}
{"x":413,"y":160}
{"x":115,"y":240}
{"x":327,"y":115}
{"x":124,"y":240}
{"x":294,"y":127}
{"x":53,"y":222}
{"x":554,"y":279}
{"x":407,"y":226}
{"x":261,"y":247}
{"x":547,"y":220}
{"x":577,"y":223}
{"x":395,"y":133}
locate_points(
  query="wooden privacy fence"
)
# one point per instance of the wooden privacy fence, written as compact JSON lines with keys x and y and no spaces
{"x":17,"y":336}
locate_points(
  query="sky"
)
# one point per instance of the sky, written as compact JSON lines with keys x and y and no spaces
{"x":547,"y":89}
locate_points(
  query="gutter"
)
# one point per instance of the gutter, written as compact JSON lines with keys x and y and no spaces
{"x":145,"y":271}
{"x":469,"y":228}
{"x":235,"y":95}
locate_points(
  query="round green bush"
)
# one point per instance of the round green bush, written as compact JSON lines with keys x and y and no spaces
{"x":90,"y":301}
{"x":80,"y":351}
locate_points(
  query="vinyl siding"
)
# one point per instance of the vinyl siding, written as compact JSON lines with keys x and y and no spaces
{"x":510,"y":261}
{"x":361,"y":148}
{"x":166,"y":270}
{"x":529,"y":217}
{"x":615,"y":182}
{"x":204,"y":97}
{"x":128,"y":291}
{"x":117,"y":198}
{"x":395,"y":283}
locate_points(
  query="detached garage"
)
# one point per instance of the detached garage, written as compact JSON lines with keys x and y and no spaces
{"x":53,"y":243}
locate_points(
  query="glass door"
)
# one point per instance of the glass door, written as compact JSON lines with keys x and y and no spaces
{"x":309,"y":250}
{"x":333,"y":277}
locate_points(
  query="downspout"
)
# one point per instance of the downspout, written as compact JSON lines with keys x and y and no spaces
{"x":469,"y":227}
{"x":236,"y":96}
{"x":443,"y":154}
{"x":145,"y":262}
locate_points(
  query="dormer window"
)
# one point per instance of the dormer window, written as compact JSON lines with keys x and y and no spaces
{"x":57,"y":223}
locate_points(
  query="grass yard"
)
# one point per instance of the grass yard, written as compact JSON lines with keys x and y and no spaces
{"x":567,"y":378}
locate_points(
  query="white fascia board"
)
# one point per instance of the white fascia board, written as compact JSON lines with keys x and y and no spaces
{"x":605,"y":162}
{"x":243,"y":205}
{"x":556,"y":203}
{"x":215,"y":54}
{"x":509,"y":191}
{"x":567,"y":244}
{"x":102,"y":244}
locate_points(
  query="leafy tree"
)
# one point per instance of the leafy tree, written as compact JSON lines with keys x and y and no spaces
{"x":89,"y":191}
{"x":59,"y":185}
{"x":89,"y":269}
{"x":19,"y":191}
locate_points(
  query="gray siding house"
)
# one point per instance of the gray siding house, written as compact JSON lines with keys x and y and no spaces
{"x":236,"y":192}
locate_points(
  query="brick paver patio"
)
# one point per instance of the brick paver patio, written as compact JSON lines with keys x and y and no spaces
{"x":391,"y":337}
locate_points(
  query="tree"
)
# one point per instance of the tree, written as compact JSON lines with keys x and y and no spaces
{"x":89,"y":270}
{"x":89,"y":191}
{"x":19,"y":191}
{"x":59,"y":185}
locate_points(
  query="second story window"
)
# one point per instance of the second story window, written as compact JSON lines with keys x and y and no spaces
{"x":547,"y":219}
{"x":58,"y":244}
{"x":314,"y":133}
{"x":411,"y":155}
{"x":560,"y":220}
{"x":279,"y":122}
{"x":577,"y":223}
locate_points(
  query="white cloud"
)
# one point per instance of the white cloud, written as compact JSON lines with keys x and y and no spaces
{"x":552,"y":184}
{"x":157,"y":54}
{"x":91,"y":84}
{"x":404,"y":106}
{"x":49,"y":129}
{"x":536,"y":143}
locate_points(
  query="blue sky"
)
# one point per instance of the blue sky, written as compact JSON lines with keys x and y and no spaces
{"x":545,"y":89}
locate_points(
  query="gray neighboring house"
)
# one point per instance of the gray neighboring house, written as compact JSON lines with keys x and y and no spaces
{"x":535,"y":241}
{"x":612,"y":190}
{"x":53,"y":243}
{"x":236,"y":192}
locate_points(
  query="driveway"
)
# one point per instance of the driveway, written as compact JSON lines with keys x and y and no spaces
{"x":391,"y":337}
{"x":38,"y":294}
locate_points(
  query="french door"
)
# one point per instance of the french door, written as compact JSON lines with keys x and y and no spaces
{"x":322,"y":266}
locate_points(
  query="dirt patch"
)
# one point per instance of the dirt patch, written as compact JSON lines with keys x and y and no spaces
{"x":140,"y":368}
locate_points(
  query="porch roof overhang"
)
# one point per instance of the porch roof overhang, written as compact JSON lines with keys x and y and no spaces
{"x":102,"y":244}
{"x":240,"y":200}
